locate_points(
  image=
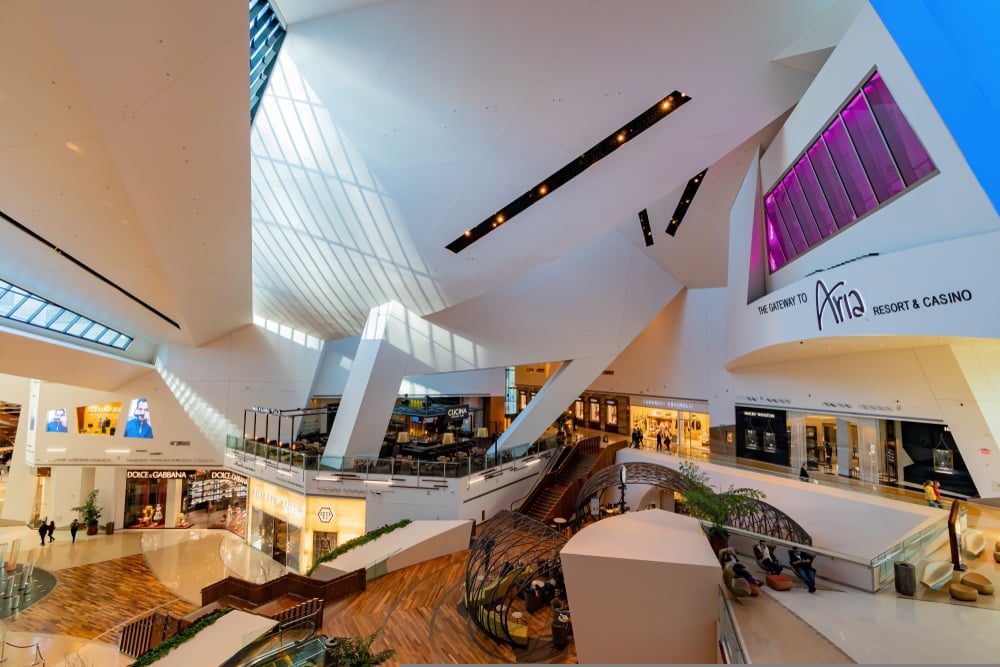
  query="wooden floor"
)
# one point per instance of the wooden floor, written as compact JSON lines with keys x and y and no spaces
{"x":419,"y":611}
{"x":93,"y":601}
{"x":421,"y":616}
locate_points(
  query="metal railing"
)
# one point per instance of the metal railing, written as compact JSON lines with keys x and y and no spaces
{"x":289,"y":461}
{"x":731,"y":644}
{"x":908,"y":550}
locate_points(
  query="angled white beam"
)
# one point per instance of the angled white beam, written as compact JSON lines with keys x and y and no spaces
{"x":552,"y":399}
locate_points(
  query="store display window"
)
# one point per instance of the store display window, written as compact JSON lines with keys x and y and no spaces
{"x":611,"y":412}
{"x":186,"y":499}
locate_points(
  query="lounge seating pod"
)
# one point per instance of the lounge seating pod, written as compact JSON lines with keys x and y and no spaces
{"x":974,"y":542}
{"x":936,"y":574}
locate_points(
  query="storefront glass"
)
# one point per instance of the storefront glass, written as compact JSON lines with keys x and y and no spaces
{"x":685,"y":423}
{"x":185,"y":499}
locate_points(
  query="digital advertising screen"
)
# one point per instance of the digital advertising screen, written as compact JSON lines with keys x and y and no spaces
{"x":99,"y":419}
{"x":55,"y":421}
{"x":138,"y":424}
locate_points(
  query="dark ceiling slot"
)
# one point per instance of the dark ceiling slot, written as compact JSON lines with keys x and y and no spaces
{"x":663,"y":108}
{"x":99,"y":276}
{"x":685,"y":202}
{"x":647,"y":234}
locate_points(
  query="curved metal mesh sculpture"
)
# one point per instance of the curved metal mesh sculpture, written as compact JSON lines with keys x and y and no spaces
{"x":509,"y":553}
{"x":765,"y":520}
{"x":769,"y":520}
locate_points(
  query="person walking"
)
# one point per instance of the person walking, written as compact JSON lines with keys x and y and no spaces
{"x":43,"y":529}
{"x":659,"y":440}
{"x":937,"y":494}
{"x":804,"y":473}
{"x":51,"y":530}
{"x":929,"y":495}
{"x":73,"y":527}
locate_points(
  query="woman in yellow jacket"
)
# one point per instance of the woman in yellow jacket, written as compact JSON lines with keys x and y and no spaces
{"x":929,"y":494}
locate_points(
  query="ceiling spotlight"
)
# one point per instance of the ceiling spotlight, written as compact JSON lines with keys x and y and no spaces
{"x":543,"y":190}
{"x":621,"y":137}
{"x":468,"y":232}
{"x":500,"y":217}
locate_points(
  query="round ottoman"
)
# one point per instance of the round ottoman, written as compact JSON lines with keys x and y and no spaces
{"x":963,"y":592}
{"x":778,"y":582}
{"x":981,"y":583}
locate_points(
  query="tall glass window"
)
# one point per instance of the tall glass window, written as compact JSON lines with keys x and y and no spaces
{"x":867,"y":155}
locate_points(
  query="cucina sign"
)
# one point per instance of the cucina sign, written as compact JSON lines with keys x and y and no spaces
{"x":458,"y":412}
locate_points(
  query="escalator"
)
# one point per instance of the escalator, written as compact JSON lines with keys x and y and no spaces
{"x":307,"y":653}
{"x":294,"y":644}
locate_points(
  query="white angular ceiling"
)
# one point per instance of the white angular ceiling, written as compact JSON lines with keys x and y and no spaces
{"x":390,"y":128}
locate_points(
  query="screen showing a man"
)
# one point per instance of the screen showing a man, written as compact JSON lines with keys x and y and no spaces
{"x":138,"y":425}
{"x":56,"y":422}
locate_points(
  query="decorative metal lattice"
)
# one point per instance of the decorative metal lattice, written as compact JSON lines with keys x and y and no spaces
{"x":765,"y":520}
{"x":510,"y":552}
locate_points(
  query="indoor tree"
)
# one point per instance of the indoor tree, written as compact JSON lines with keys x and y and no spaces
{"x":716,"y":510}
{"x":90,"y":512}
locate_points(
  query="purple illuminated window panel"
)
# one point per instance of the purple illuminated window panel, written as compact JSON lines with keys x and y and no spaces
{"x":776,"y":258}
{"x":778,"y":229}
{"x":833,"y":187}
{"x":814,"y":195}
{"x":788,"y":220}
{"x":802,"y":212}
{"x":859,"y":190}
{"x":910,"y":155}
{"x":867,"y":155}
{"x":872,"y":149}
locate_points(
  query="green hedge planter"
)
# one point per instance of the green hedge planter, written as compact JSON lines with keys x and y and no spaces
{"x":357,"y":542}
{"x":164,"y":647}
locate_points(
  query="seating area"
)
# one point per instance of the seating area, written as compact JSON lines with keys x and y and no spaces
{"x":974,"y":543}
{"x":936,"y":574}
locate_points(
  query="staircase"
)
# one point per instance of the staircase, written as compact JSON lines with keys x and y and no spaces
{"x":557,"y":493}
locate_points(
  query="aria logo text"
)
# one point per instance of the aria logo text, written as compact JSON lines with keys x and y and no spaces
{"x":841,"y":303}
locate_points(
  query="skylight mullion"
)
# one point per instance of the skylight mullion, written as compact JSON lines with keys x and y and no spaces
{"x":11,"y":300}
{"x":27,"y":309}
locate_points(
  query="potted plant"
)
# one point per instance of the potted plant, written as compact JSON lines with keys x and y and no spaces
{"x":90,"y":512}
{"x":355,"y":651}
{"x":716,"y":510}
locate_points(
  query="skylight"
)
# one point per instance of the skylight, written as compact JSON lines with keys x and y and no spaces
{"x":266,"y":35}
{"x":22,"y":306}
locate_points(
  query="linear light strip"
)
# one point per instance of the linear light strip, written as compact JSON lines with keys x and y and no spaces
{"x":588,"y":158}
{"x":86,"y":268}
{"x":685,"y":201}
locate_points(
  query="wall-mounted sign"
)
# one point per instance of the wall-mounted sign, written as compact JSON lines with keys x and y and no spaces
{"x":325,"y":514}
{"x":458,"y":412}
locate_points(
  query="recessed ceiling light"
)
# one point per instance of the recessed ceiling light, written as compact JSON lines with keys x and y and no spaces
{"x":588,"y":158}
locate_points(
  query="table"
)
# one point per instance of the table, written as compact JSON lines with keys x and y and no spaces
{"x":560,"y":523}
